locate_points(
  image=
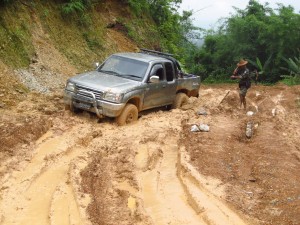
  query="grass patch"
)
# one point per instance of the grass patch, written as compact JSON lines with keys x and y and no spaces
{"x":291,"y":80}
{"x":94,"y":42}
{"x":16,"y":47}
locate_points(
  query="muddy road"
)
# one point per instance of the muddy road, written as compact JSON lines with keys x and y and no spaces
{"x":59,"y":168}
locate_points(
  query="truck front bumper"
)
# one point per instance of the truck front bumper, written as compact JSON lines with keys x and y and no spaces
{"x":100,"y":107}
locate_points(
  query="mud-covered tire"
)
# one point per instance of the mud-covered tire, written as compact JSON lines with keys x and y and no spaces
{"x":128,"y":115}
{"x":72,"y":109}
{"x":180,"y":100}
{"x":67,"y":107}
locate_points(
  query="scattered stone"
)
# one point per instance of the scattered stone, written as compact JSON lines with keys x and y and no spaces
{"x":2,"y":105}
{"x":274,"y":112}
{"x":249,"y":130}
{"x":96,"y":134}
{"x":250,"y":113}
{"x":201,"y":127}
{"x":195,"y":128}
{"x":249,"y":193}
{"x":204,"y":127}
{"x":202,"y":111}
{"x":252,"y":179}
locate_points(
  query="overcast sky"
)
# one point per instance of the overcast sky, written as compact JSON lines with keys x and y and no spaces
{"x":212,"y":10}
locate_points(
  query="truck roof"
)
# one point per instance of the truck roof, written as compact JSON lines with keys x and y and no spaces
{"x":142,"y":56}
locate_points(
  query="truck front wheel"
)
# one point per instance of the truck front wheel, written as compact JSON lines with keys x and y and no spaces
{"x":180,"y":100}
{"x":128,"y":115}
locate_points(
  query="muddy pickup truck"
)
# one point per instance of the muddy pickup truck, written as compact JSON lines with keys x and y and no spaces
{"x":128,"y":83}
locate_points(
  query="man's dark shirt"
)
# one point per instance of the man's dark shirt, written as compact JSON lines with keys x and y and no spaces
{"x":245,"y":80}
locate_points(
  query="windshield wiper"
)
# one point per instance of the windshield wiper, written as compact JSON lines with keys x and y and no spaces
{"x":131,"y":75}
{"x":110,"y":72}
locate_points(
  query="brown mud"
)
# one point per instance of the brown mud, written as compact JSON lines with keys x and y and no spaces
{"x":64,"y":168}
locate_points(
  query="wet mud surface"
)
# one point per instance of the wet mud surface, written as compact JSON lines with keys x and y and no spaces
{"x":64,"y":168}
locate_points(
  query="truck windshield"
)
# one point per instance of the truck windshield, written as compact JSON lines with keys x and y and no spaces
{"x":124,"y":67}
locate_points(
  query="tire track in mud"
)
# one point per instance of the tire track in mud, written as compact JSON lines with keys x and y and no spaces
{"x":172,"y":193}
{"x":43,"y":193}
{"x":164,"y":198}
{"x":170,"y":188}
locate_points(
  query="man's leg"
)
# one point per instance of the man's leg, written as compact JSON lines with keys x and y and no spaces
{"x":244,"y":101}
{"x":243,"y":92}
{"x":241,"y":101}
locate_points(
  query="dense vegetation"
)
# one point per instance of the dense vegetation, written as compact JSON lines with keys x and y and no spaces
{"x":154,"y":24}
{"x":267,"y":38}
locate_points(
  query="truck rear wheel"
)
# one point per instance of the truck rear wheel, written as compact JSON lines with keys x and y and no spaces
{"x":128,"y":115}
{"x":180,"y":100}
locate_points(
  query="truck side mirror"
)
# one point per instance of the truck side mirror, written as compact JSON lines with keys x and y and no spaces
{"x":154,"y":79}
{"x":96,"y":65}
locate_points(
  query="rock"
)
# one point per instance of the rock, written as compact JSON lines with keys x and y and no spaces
{"x":204,"y":127}
{"x":96,"y":134}
{"x":2,"y":105}
{"x":252,"y":179}
{"x":195,"y":128}
{"x":274,"y":112}
{"x":249,"y":130}
{"x":250,"y":113}
{"x":202,"y":111}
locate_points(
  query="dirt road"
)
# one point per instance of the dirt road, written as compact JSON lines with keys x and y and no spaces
{"x":60,"y":168}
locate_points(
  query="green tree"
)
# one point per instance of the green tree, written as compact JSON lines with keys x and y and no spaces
{"x":256,"y":32}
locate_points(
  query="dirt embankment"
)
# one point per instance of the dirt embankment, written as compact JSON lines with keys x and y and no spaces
{"x":155,"y":171}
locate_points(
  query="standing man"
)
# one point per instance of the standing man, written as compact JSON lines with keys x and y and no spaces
{"x":242,"y":73}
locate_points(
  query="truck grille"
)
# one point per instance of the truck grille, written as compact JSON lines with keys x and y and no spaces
{"x":81,"y":93}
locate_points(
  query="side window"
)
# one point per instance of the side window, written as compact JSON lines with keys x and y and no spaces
{"x":169,"y":71}
{"x":158,"y":70}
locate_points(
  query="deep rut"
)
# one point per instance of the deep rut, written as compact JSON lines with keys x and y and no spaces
{"x":171,"y":189}
{"x":43,"y":193}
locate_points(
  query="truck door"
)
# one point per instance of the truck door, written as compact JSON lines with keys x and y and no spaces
{"x":169,"y":91}
{"x":154,"y":92}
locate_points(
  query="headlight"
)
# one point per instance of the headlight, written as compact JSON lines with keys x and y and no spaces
{"x":71,"y":86}
{"x":112,"y":97}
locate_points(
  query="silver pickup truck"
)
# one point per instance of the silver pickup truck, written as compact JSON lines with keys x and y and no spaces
{"x":127,"y":83}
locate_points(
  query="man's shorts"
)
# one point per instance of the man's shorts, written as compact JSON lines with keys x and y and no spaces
{"x":243,"y":91}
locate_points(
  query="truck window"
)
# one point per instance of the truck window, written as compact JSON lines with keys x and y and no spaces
{"x":169,"y":71}
{"x":158,"y":70}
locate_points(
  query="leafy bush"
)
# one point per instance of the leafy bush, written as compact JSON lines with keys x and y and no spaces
{"x":294,"y":71}
{"x":73,"y":6}
{"x":138,"y":6}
